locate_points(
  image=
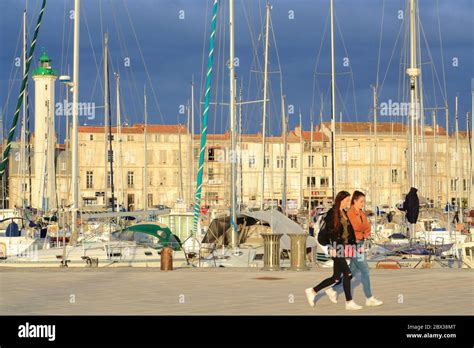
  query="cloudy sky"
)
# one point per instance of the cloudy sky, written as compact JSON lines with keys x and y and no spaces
{"x":164,"y":40}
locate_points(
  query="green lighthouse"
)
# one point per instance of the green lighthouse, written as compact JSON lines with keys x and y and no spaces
{"x":44,"y":66}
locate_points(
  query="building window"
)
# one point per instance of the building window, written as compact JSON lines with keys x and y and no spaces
{"x":91,"y":137}
{"x":368,"y":155}
{"x":355,"y":154}
{"x":342,"y":176}
{"x":252,"y":161}
{"x":110,"y":156}
{"x":294,"y":162}
{"x":310,"y":181}
{"x":45,"y":87}
{"x":109,"y":180}
{"x":211,"y":155}
{"x":464,"y":184}
{"x":325,"y":161}
{"x":130,"y":179}
{"x":454,"y":185}
{"x":129,"y":137}
{"x":343,"y":155}
{"x":381,"y":153}
{"x":324,"y":181}
{"x":267,"y":161}
{"x":355,"y":177}
{"x":163,"y":156}
{"x":394,"y":154}
{"x":150,"y":199}
{"x":89,"y":179}
{"x":310,"y":160}
{"x":110,"y":137}
{"x":90,"y":201}
{"x":210,"y":173}
{"x":212,"y":197}
{"x":394,"y":176}
{"x":279,"y":162}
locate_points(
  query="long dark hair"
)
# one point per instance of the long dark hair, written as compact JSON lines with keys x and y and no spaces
{"x":337,"y":206}
{"x":356,"y":195}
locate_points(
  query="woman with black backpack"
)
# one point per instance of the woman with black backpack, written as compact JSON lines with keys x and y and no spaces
{"x":338,"y":234}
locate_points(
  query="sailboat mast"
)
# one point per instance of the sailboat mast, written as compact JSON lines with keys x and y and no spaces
{"x":376,"y":154}
{"x":448,"y":168}
{"x":413,"y":72}
{"x":205,"y":115}
{"x":75,"y":106}
{"x":435,"y":156}
{"x":241,"y":186}
{"x":23,"y":123}
{"x":285,"y":153}
{"x":457,"y":158}
{"x":233,"y":178}
{"x":469,"y":162}
{"x":180,"y":164}
{"x":471,"y":145}
{"x":106,"y":111}
{"x":311,"y":164}
{"x":145,"y":143}
{"x":192,"y":139}
{"x":264,"y":113}
{"x":301,"y":161}
{"x":333,"y":108}
{"x":119,"y":141}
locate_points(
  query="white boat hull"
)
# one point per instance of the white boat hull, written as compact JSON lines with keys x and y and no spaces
{"x":114,"y":254}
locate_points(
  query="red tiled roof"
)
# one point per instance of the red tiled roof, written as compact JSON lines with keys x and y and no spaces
{"x":464,"y":134}
{"x":382,"y":127}
{"x":317,"y":136}
{"x":138,"y":129}
{"x":257,"y":137}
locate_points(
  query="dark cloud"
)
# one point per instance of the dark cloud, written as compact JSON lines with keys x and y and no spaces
{"x":172,"y":49}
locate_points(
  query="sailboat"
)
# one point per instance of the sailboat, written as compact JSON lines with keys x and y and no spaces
{"x":433,"y":234}
{"x":233,"y":239}
{"x":98,"y":243}
{"x":19,"y":232}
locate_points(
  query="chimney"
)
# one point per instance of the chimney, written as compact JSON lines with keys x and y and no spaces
{"x":298,"y":130}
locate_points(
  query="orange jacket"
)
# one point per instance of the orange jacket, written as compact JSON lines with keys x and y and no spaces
{"x":360,"y":223}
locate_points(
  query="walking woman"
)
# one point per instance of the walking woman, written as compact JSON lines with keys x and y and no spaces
{"x":362,"y":228}
{"x":342,"y":243}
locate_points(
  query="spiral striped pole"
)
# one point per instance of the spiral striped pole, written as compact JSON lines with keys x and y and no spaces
{"x":205,"y":114}
{"x":11,"y":132}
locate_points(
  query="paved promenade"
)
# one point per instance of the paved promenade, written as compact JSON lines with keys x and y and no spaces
{"x":225,"y":292}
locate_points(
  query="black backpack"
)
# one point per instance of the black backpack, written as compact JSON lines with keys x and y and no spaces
{"x":324,"y":233}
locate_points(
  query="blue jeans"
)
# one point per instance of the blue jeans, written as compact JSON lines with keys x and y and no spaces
{"x":359,"y":263}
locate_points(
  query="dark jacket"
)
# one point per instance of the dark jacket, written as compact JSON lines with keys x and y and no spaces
{"x":337,"y":236}
{"x":411,"y":206}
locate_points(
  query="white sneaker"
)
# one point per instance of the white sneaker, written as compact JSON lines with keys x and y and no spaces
{"x":332,"y":295}
{"x":352,"y":306}
{"x":310,"y":295}
{"x":373,"y":302}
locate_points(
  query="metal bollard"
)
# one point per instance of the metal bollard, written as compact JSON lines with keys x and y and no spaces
{"x":166,"y":262}
{"x":94,"y":262}
{"x":298,"y":251}
{"x":271,"y":251}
